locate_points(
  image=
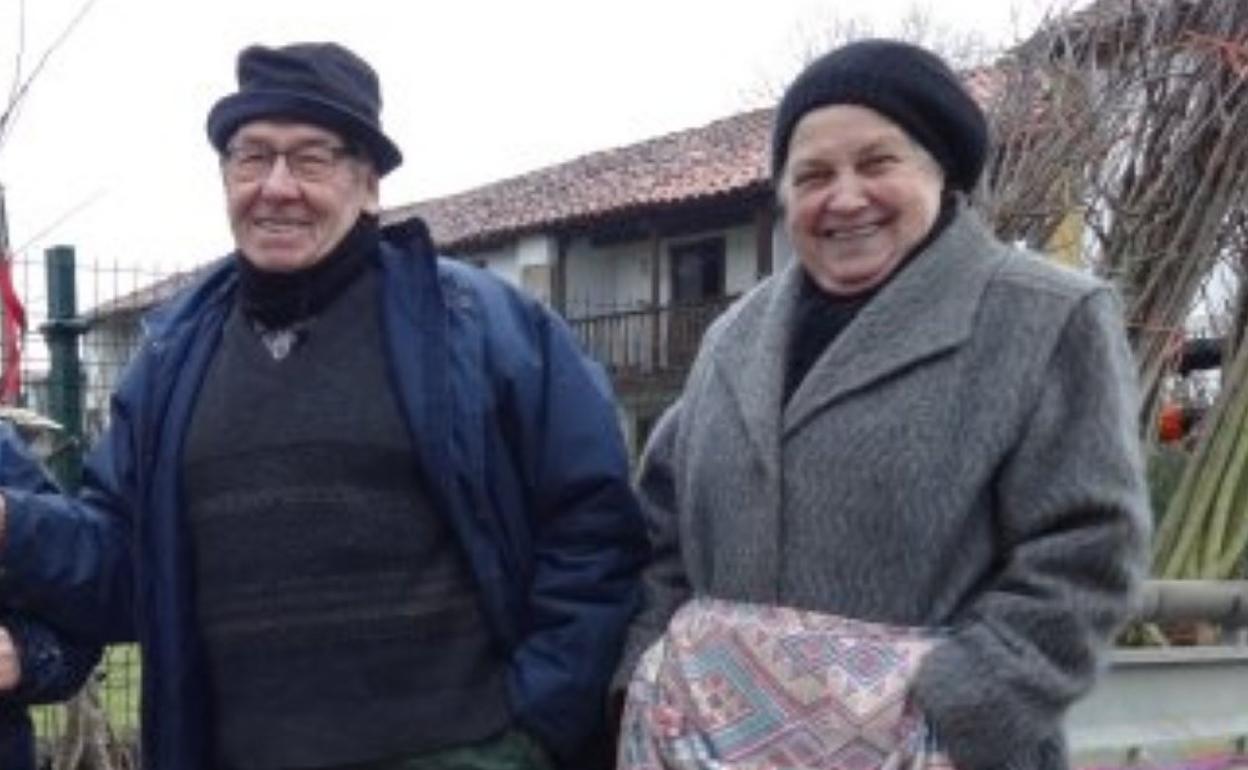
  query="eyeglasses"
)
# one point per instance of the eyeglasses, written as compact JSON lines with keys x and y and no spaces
{"x":306,"y":163}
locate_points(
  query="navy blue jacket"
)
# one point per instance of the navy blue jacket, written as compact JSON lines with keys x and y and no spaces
{"x":53,"y":666}
{"x":513,"y":428}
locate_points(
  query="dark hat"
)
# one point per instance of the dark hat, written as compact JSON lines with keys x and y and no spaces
{"x":910,"y":86}
{"x":320,"y":83}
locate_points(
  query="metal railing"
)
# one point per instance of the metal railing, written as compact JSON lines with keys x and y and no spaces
{"x":648,"y":340}
{"x":1222,"y":602}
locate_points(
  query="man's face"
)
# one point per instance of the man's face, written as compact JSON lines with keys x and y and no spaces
{"x":290,"y":216}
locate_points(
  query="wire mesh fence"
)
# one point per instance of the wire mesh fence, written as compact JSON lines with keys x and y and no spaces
{"x":117,"y":683}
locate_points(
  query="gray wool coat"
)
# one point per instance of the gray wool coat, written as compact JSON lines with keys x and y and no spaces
{"x":963,"y":456}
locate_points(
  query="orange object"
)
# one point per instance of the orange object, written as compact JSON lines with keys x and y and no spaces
{"x":1170,"y":421}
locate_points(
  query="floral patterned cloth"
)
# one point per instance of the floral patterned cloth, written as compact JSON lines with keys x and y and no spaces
{"x":735,"y":686}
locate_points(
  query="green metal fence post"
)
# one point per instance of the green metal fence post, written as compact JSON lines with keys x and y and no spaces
{"x":65,"y":391}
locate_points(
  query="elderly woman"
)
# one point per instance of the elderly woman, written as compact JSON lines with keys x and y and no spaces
{"x":900,"y":503}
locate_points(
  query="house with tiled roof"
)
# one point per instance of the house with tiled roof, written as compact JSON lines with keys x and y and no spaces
{"x":638,"y":247}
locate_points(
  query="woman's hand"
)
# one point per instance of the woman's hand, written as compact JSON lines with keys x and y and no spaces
{"x":10,"y":663}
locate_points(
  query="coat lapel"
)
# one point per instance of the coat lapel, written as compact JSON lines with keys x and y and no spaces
{"x":927,"y":309}
{"x":747,"y":356}
{"x":750,"y":357}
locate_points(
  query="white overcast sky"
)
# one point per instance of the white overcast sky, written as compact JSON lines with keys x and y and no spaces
{"x":111,"y":137}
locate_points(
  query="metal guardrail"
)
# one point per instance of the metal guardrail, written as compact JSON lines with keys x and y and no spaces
{"x":1178,"y":707}
{"x":1224,"y":602}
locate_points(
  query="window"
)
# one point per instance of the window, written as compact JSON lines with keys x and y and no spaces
{"x":697,"y":270}
{"x":697,"y":290}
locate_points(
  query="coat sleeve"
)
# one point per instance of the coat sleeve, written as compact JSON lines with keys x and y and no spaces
{"x":665,"y":586}
{"x":588,"y":542}
{"x":65,"y":558}
{"x":54,"y":666}
{"x":1073,"y":519}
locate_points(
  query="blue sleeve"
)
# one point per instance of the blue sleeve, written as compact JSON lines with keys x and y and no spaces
{"x":589,"y":543}
{"x":54,"y":666}
{"x":68,"y":559}
{"x":18,"y":466}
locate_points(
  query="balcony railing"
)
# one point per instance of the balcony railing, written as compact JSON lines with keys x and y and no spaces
{"x":660,"y":340}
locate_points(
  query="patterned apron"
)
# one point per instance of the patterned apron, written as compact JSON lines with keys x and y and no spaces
{"x":736,"y":686}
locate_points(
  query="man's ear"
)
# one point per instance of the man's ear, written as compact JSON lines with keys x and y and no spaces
{"x":373,"y":203}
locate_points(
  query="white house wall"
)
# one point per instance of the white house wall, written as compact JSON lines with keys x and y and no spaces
{"x":616,"y":278}
{"x":740,"y":258}
{"x":606,"y":279}
{"x":536,"y":250}
{"x":781,"y":249}
{"x":503,"y":262}
{"x":527,"y":263}
{"x":106,"y":350}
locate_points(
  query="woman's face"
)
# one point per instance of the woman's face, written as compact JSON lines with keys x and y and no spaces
{"x":858,"y":195}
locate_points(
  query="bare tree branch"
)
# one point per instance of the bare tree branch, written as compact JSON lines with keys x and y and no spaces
{"x":18,"y":59}
{"x":1133,"y":117}
{"x":18,"y":95}
{"x":816,"y":36}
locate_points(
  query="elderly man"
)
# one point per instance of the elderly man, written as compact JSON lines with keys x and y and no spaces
{"x":363,"y":507}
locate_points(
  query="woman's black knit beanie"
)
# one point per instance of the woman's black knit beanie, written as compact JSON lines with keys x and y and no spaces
{"x":910,"y":86}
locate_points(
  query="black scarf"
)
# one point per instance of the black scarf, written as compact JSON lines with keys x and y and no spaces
{"x":281,"y":300}
{"x":821,"y":317}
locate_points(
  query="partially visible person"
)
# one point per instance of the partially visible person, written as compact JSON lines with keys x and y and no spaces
{"x":37,"y":664}
{"x":899,"y":510}
{"x":364,"y":507}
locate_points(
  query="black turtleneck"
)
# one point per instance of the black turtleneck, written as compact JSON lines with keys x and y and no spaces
{"x":280,"y":300}
{"x":820,"y":317}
